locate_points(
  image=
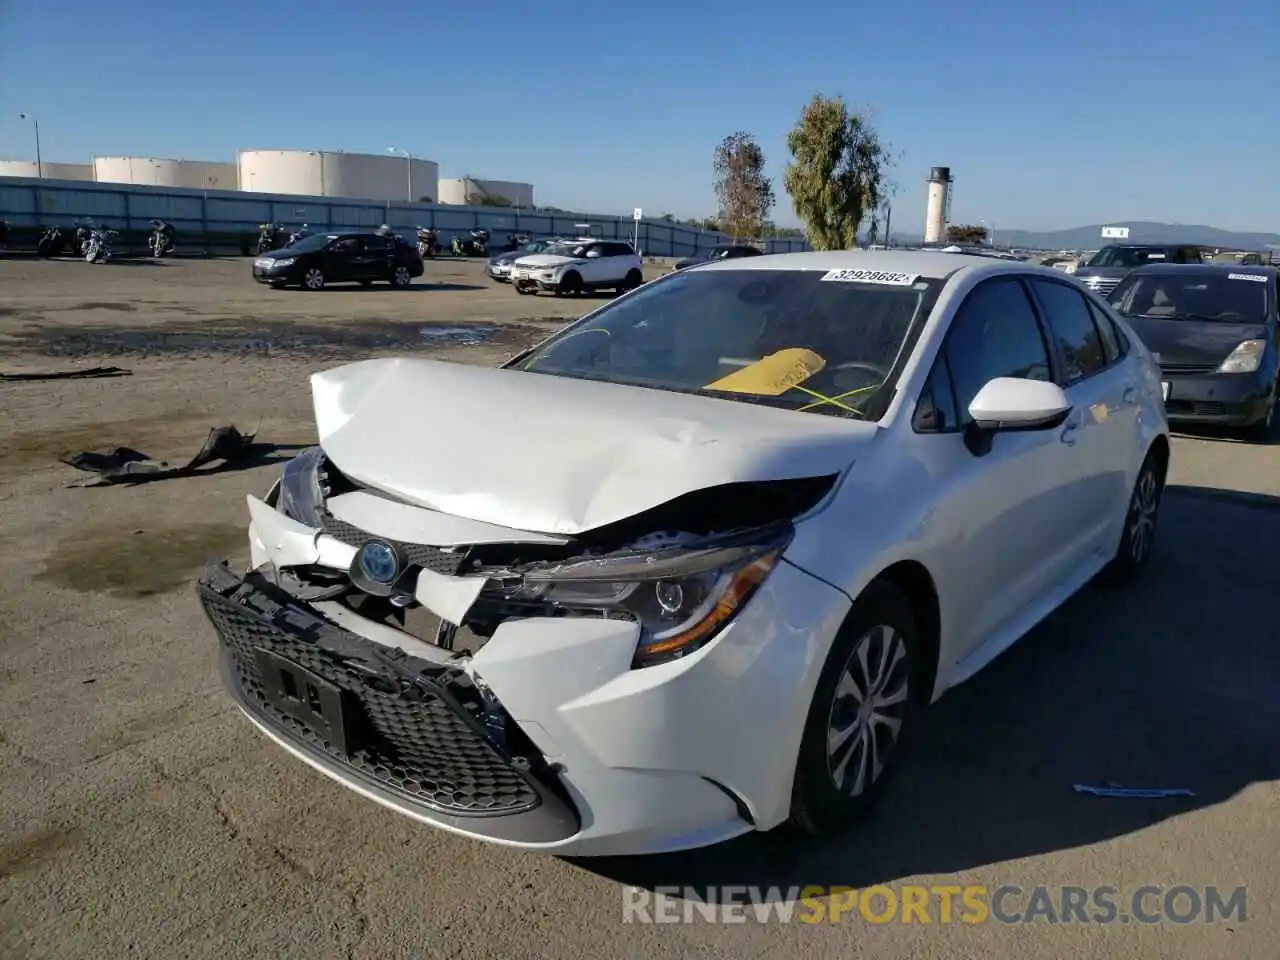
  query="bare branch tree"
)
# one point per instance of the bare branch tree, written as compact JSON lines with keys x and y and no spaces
{"x":744,"y":192}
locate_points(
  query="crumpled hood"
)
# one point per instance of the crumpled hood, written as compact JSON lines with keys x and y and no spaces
{"x":551,"y":454}
{"x":544,"y":260}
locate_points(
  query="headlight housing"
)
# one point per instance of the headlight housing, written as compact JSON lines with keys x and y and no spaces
{"x":301,"y":494}
{"x":1246,"y":358}
{"x":680,"y":597}
{"x":285,"y":261}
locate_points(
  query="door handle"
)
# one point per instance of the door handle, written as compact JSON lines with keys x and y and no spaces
{"x":1130,"y":395}
{"x":1068,"y":435}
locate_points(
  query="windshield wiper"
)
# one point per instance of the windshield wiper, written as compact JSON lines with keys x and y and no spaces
{"x":1195,"y":317}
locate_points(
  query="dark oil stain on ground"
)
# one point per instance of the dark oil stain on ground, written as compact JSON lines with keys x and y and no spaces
{"x":139,"y":562}
{"x":240,"y":337}
{"x":100,"y":305}
{"x":35,"y":849}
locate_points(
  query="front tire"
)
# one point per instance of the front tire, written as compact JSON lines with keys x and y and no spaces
{"x":1140,"y":523}
{"x":570,"y":284}
{"x":633,"y":279}
{"x":313,"y":279}
{"x":866,"y":703}
{"x":1260,"y":432}
{"x":401,"y":278}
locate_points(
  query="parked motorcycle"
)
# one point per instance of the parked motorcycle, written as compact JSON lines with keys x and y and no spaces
{"x":270,"y":237}
{"x":162,"y":237}
{"x":83,"y":232}
{"x":99,"y":247}
{"x":428,"y":242}
{"x":52,"y":242}
{"x":476,"y":245}
{"x":302,"y":231}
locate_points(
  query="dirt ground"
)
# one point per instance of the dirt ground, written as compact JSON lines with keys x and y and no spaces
{"x":141,"y":815}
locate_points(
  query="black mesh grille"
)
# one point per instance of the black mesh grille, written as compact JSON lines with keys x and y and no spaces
{"x":421,"y":747}
{"x":415,"y":554}
{"x":1187,"y":369}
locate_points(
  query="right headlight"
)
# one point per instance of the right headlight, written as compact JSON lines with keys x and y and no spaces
{"x":301,"y":494}
{"x":1245,"y":358}
{"x":681,"y":598}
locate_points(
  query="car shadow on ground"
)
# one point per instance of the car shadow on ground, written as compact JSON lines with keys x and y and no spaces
{"x":1224,"y":435}
{"x":1173,"y":682}
{"x":416,"y":287}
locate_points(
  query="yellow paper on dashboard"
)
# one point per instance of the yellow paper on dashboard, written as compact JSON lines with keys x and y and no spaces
{"x":774,"y":375}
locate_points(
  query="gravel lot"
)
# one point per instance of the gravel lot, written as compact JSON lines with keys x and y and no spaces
{"x":141,"y":815}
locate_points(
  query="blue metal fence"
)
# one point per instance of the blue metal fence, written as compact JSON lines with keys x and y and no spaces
{"x":29,"y":202}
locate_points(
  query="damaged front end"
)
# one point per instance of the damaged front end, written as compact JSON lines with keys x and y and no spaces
{"x":364,"y":653}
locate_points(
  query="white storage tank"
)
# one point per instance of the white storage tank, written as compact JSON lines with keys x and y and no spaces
{"x":165,"y":172}
{"x":480,"y":192}
{"x":50,"y":171}
{"x":354,"y":176}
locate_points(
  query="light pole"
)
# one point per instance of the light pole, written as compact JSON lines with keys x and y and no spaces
{"x":35,"y":123}
{"x":408,"y":158}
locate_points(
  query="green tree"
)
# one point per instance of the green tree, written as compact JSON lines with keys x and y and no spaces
{"x":744,"y":192}
{"x":838,"y":172}
{"x":966,"y":233}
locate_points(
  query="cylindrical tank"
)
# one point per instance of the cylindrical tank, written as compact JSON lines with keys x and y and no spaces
{"x":165,"y":172}
{"x":50,"y":171}
{"x":356,"y":176}
{"x":479,"y":192}
{"x":935,"y":219}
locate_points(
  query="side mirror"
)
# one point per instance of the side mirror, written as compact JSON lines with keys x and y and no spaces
{"x":1012,"y":403}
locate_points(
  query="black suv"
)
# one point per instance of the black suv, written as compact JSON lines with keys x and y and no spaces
{"x":1108,"y":266}
{"x":719,"y":253}
{"x":340,"y":256}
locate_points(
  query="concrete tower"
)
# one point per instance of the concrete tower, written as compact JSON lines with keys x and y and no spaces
{"x":939,"y":208}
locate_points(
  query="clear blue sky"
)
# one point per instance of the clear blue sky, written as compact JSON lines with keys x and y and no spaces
{"x":1050,"y":114}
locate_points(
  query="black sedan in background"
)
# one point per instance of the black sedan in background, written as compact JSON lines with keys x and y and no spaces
{"x":340,"y":256}
{"x":1213,"y":330}
{"x":719,"y":253}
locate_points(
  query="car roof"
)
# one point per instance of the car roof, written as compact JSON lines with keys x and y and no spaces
{"x":1219,"y":268}
{"x":926,"y":263}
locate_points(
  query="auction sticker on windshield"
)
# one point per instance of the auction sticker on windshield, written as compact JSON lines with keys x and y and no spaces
{"x":1255,"y":277}
{"x":863,"y":275}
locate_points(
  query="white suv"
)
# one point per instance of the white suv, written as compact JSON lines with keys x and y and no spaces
{"x":575,"y":266}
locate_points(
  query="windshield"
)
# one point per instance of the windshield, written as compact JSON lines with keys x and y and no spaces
{"x":1223,"y":297}
{"x":309,"y":244}
{"x":1129,"y":256}
{"x":566,"y":249}
{"x":797,"y":339}
{"x":535,"y":246}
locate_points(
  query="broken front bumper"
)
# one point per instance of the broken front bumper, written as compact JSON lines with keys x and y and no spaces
{"x":622,"y":761}
{"x":389,"y":726}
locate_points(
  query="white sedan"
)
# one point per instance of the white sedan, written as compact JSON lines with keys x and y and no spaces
{"x":692,"y":566}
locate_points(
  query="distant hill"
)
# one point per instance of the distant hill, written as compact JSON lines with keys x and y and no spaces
{"x":1090,"y":238}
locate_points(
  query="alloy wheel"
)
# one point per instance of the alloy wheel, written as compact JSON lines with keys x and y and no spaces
{"x":1142,"y":514}
{"x":867,"y":711}
{"x":314,"y":279}
{"x":402,"y":277}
